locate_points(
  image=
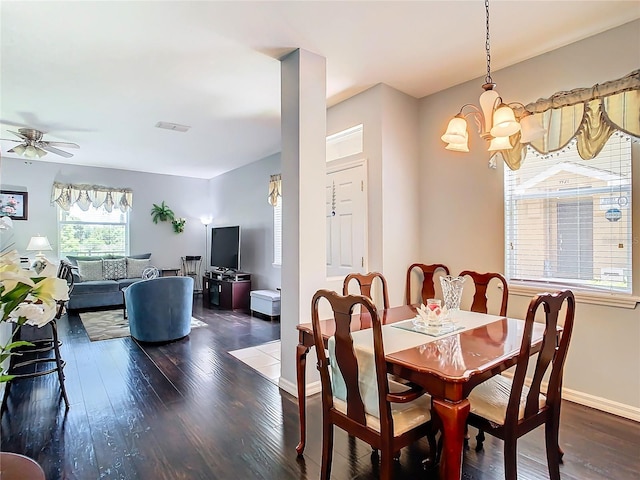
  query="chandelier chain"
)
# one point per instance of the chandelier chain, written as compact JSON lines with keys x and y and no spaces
{"x":487,"y":45}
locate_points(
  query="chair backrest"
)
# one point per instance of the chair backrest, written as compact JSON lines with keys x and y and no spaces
{"x":365,"y":282}
{"x":481,"y":282}
{"x":65,"y":272}
{"x":428,"y":285}
{"x":347,"y":361}
{"x":552,"y":354}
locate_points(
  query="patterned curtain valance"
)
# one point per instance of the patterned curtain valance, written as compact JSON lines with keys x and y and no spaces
{"x":85,"y":196}
{"x":590,"y":115}
{"x":275,"y":189}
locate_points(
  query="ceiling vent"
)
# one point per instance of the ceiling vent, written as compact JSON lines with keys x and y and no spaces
{"x":173,"y":126}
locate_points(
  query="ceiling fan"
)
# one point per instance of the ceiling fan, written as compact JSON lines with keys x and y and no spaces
{"x":33,"y":146}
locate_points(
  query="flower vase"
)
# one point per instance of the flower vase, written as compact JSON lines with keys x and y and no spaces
{"x":452,"y":291}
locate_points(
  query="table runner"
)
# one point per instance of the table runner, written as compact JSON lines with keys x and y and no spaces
{"x":394,"y":340}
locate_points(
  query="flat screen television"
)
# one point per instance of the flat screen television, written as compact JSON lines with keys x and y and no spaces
{"x":225,"y":247}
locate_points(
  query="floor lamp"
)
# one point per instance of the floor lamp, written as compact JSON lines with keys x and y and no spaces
{"x":206,"y":221}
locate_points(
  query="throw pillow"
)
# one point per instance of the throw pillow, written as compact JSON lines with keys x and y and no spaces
{"x":114,"y":269}
{"x":90,"y":270}
{"x":136,"y":266}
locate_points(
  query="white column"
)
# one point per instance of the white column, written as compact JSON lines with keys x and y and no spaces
{"x":304,"y":112}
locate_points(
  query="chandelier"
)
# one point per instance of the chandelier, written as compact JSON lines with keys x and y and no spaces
{"x":496,"y":120}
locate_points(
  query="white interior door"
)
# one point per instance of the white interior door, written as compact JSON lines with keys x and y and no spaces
{"x":346,"y":213}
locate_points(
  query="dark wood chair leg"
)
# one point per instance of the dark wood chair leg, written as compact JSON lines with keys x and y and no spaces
{"x":510,"y":458}
{"x":327,"y":451}
{"x":479,"y":440}
{"x":553,"y":449}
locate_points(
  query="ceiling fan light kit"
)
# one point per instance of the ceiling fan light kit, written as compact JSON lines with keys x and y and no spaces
{"x":33,"y":146}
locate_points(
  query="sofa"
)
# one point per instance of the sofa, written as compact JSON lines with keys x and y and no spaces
{"x":98,"y":281}
{"x":159,"y":309}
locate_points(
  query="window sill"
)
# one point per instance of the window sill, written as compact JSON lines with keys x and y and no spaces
{"x":618,"y":300}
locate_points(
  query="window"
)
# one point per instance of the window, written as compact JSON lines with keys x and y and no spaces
{"x":568,"y":220}
{"x":94,"y":232}
{"x":345,"y":143}
{"x":277,"y":233}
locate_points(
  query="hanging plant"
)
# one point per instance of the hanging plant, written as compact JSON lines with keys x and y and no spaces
{"x":161,"y":213}
{"x":178,"y":224}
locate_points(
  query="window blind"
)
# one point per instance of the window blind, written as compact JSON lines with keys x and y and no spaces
{"x":277,"y":233}
{"x":568,"y":220}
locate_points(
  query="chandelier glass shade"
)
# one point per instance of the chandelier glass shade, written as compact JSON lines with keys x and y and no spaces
{"x":496,"y":120}
{"x":28,"y":151}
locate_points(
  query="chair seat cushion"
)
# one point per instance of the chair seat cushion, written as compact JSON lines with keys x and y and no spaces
{"x":406,"y":416}
{"x":490,"y":399}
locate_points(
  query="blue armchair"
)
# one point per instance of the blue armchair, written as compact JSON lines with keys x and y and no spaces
{"x":159,"y":309}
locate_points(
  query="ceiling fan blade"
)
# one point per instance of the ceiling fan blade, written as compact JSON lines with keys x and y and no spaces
{"x":11,"y":140}
{"x":62,"y":144}
{"x":51,"y":149}
{"x":22,"y":136}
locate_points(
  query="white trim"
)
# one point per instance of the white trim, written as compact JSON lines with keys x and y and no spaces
{"x":292,"y":388}
{"x":588,"y":400}
{"x":603,"y":404}
{"x":618,"y":300}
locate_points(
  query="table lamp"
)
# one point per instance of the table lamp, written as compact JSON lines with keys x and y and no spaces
{"x":39,"y":243}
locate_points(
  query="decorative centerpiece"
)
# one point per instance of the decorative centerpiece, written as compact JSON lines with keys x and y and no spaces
{"x":432,"y":314}
{"x":452,"y":291}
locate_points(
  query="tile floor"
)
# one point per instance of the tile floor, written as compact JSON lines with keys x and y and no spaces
{"x":265,"y":359}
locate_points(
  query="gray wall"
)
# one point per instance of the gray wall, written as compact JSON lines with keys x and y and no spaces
{"x":464,"y":199}
{"x":239,"y":197}
{"x":187,"y":197}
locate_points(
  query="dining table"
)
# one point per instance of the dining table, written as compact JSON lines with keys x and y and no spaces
{"x":446,"y":365}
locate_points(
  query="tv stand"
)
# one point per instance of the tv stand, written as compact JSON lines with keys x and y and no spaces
{"x":225,"y":292}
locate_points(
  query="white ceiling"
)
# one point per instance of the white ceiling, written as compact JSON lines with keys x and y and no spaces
{"x":102,"y":74}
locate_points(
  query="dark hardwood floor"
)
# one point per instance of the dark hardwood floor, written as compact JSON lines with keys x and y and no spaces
{"x":189,"y":410}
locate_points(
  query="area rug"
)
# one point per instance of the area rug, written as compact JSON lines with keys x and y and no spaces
{"x":108,"y":324}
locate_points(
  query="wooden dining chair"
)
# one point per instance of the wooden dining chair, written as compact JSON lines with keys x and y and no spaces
{"x":365,"y":282}
{"x":395,"y":417}
{"x":481,"y":283}
{"x":428,"y":276}
{"x":507,"y":408}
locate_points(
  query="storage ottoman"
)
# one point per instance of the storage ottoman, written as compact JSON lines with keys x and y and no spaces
{"x":265,"y":303}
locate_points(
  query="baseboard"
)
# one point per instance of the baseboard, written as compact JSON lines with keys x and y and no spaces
{"x":292,"y":388}
{"x":604,"y":404}
{"x":599,"y":403}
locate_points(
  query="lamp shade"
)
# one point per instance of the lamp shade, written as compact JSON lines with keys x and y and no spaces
{"x":206,"y":219}
{"x":456,"y":131}
{"x":39,"y":243}
{"x":504,"y":122}
{"x":459,"y":146}
{"x":19,"y":149}
{"x":500,"y":143}
{"x":531,"y":128}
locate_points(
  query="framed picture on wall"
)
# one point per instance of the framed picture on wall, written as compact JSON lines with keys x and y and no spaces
{"x":14,"y":204}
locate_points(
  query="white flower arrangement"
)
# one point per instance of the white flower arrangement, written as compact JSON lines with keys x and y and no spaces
{"x":26,"y":297}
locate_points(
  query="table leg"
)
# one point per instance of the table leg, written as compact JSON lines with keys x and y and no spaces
{"x":454,"y":418}
{"x":301,"y":373}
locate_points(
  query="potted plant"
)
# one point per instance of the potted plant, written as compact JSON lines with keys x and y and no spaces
{"x":161,"y":213}
{"x":178,"y":224}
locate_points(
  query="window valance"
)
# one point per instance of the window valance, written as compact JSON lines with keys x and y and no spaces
{"x":275,"y":189}
{"x":86,"y":196}
{"x":588,"y":115}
